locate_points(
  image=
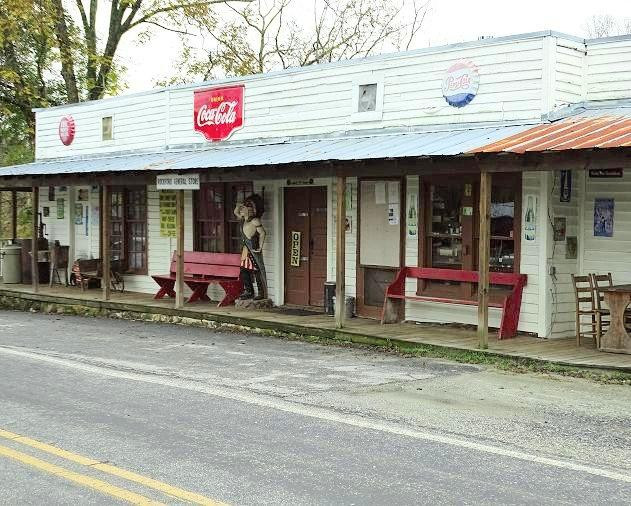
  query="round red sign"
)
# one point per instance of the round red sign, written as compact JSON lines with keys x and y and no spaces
{"x":66,"y":130}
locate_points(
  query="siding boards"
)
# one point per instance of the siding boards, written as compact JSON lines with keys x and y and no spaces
{"x":608,"y":69}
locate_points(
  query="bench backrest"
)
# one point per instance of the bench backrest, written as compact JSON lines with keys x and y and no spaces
{"x":495,"y":278}
{"x":202,"y":264}
{"x":89,"y":265}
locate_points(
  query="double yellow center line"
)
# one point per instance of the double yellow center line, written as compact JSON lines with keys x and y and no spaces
{"x":94,"y":483}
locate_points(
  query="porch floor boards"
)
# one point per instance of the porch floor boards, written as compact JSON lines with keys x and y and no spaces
{"x":561,"y":351}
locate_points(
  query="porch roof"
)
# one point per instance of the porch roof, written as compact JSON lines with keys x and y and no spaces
{"x":450,"y":140}
{"x":586,"y":126}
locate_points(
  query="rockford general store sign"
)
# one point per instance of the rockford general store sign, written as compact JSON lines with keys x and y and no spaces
{"x":218,"y":112}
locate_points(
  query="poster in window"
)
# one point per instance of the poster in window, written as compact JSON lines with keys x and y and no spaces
{"x":603,"y":217}
{"x":61,"y":204}
{"x":530,"y":218}
{"x":168,"y":214}
{"x":295,"y":248}
{"x":78,"y":214}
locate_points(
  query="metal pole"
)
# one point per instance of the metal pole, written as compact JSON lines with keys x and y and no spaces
{"x":14,"y":215}
{"x":340,"y":253}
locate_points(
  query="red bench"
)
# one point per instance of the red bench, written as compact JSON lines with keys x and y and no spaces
{"x":394,"y":303}
{"x":202,"y":269}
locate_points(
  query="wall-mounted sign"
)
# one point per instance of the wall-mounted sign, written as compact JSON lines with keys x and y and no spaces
{"x":560,"y":226}
{"x":61,"y":205}
{"x":530,"y":217}
{"x":66,"y":130}
{"x":78,"y":214}
{"x":571,"y":247}
{"x":294,"y":260}
{"x":177,"y":182}
{"x":565,"y":195}
{"x":168,"y":214}
{"x":218,"y":112}
{"x":299,"y":182}
{"x":460,"y":84}
{"x":605,"y":173}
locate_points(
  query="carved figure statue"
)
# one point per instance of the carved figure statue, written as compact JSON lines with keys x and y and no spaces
{"x":253,"y":238}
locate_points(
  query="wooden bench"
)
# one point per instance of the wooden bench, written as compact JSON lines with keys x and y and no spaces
{"x":394,"y":303}
{"x":200,"y":270}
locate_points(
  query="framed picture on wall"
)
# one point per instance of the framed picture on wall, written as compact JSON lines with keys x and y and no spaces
{"x":603,"y":217}
{"x":82,"y":195}
{"x":78,"y":214}
{"x":61,"y":204}
{"x":571,"y":247}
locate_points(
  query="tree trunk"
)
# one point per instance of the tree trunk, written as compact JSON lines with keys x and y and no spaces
{"x":65,"y":52}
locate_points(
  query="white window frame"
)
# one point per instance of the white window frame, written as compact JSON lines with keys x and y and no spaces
{"x":107,"y":141}
{"x":375,"y":115}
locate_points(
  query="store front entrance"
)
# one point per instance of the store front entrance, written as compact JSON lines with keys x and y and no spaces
{"x":305,"y":245}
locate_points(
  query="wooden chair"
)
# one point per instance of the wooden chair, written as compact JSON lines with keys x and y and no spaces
{"x":588,"y":318}
{"x":599,"y":282}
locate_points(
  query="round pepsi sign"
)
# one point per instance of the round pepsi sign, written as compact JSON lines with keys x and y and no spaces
{"x":66,"y":130}
{"x":460,"y":84}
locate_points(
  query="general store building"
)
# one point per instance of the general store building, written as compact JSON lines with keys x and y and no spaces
{"x":546,"y":114}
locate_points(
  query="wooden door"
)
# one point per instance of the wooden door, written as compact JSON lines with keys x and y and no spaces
{"x":305,"y":245}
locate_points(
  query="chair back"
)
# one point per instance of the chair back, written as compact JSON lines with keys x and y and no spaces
{"x":600,"y":281}
{"x":583,"y":291}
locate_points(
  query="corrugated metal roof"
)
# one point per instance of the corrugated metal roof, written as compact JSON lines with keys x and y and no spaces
{"x":394,"y":145}
{"x":593,"y":128}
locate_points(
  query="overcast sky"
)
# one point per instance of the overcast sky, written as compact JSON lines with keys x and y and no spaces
{"x":448,"y":21}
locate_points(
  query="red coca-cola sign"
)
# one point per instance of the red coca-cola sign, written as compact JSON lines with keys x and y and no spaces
{"x":218,"y":112}
{"x":66,"y":130}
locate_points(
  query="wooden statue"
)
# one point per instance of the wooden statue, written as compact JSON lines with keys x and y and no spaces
{"x":253,"y":238}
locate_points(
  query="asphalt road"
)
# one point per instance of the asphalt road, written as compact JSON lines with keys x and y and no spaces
{"x":209,"y":417}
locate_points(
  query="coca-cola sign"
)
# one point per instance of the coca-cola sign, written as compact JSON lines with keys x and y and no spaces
{"x":218,"y":112}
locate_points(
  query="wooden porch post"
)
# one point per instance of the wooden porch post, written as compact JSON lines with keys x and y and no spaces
{"x":340,"y":253}
{"x":14,"y":215}
{"x":179,"y":273}
{"x":105,"y":241}
{"x":34,"y":239}
{"x":484,"y":259}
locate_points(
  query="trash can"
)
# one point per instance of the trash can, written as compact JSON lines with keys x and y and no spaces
{"x":329,"y":295}
{"x":350,"y":307}
{"x":11,"y":255}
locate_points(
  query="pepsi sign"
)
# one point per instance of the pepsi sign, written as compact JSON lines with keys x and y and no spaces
{"x":460,"y":84}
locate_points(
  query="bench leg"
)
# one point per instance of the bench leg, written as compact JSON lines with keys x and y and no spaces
{"x":233,"y":289}
{"x":510,"y":318}
{"x":199,"y":291}
{"x":166,"y":288}
{"x":393,"y":310}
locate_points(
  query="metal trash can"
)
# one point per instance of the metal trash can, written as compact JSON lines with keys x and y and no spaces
{"x":329,"y":295}
{"x":11,"y":255}
{"x":350,"y":307}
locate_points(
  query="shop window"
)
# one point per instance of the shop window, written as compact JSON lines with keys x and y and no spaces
{"x":451,"y":224}
{"x":216,"y":227}
{"x":128,"y":228}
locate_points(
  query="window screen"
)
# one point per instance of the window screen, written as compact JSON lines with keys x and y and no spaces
{"x":107,"y":132}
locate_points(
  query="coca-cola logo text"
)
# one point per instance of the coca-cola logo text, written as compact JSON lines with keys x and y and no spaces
{"x":224,"y":113}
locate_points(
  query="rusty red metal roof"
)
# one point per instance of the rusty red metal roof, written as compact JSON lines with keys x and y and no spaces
{"x":578,"y":132}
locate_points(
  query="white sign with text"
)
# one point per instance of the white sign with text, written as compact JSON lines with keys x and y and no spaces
{"x":177,"y":182}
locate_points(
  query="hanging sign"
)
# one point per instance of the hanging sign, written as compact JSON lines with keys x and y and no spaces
{"x":177,"y":182}
{"x":460,"y":84}
{"x":294,"y":260}
{"x":66,"y":130}
{"x":218,"y":112}
{"x":168,"y":214}
{"x":605,"y":173}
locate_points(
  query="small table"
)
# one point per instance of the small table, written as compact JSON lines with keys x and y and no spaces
{"x":616,"y":339}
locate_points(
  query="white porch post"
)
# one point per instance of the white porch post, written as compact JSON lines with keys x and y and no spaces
{"x":35,"y":234}
{"x":484,"y":254}
{"x":340,"y":253}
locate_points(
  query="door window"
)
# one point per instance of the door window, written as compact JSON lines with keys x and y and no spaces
{"x":128,"y":228}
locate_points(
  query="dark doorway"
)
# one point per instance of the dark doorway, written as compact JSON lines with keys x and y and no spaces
{"x":305,"y":245}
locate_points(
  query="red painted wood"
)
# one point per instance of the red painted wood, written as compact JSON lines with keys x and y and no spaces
{"x":200,"y":270}
{"x":511,"y":305}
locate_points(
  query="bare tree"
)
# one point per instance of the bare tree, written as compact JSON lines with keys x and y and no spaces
{"x":277,"y":34}
{"x":606,"y":25}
